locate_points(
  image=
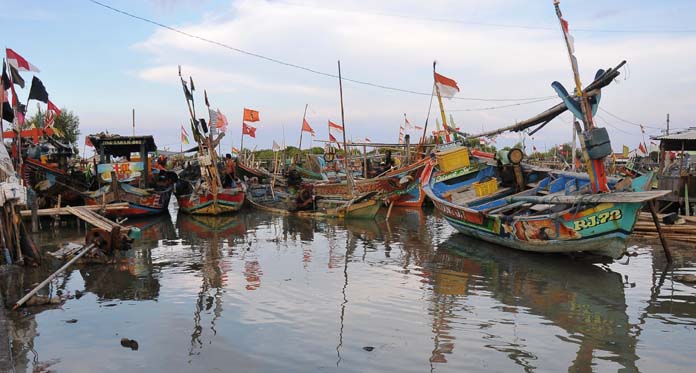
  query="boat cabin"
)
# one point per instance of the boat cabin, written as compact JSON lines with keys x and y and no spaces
{"x":678,"y":168}
{"x":124,"y":156}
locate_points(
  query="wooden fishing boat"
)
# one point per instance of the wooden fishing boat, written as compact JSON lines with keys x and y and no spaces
{"x":200,"y":189}
{"x":400,"y":186}
{"x":124,"y":176}
{"x":302,"y":202}
{"x":553,"y":212}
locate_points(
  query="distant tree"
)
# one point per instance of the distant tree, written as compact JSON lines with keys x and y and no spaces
{"x":68,"y":123}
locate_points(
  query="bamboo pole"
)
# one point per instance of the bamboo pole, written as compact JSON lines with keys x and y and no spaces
{"x":663,"y":239}
{"x":349,"y":174}
{"x":442,"y":108}
{"x":45,"y":282}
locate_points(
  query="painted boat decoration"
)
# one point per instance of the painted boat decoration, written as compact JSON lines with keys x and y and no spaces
{"x":554,"y":212}
{"x":127,"y":179}
{"x":228,"y":200}
{"x":302,"y":202}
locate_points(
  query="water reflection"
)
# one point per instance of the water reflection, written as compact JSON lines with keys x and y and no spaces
{"x":585,"y":300}
{"x":274,"y":293}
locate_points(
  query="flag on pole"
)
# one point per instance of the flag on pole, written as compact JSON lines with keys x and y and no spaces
{"x":419,"y":128}
{"x":51,"y":114}
{"x":19,"y":62}
{"x":333,"y":139}
{"x":88,"y":142}
{"x":306,"y":127}
{"x":16,"y":78}
{"x":643,"y":149}
{"x":625,"y":151}
{"x":333,"y":125}
{"x":221,"y":121}
{"x":248,"y":130}
{"x":276,"y":147}
{"x":407,"y":123}
{"x":235,"y":150}
{"x":571,"y":40}
{"x":448,"y":87}
{"x":38,"y":91}
{"x":184,"y":136}
{"x":251,"y":115}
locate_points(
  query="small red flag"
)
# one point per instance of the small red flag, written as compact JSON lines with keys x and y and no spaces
{"x":19,"y":62}
{"x":88,"y":142}
{"x":248,"y":130}
{"x":51,"y":114}
{"x":251,"y":115}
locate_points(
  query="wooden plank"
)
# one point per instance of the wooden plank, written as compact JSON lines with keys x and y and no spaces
{"x":64,"y":211}
{"x":618,"y":197}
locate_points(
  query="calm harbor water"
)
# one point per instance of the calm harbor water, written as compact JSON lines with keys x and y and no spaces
{"x":260,"y":292}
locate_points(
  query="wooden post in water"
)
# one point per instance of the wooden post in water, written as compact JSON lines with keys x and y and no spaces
{"x":663,"y":239}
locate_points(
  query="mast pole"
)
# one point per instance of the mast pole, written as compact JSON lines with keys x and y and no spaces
{"x":595,"y":168}
{"x":349,"y":176}
{"x":442,"y":108}
{"x":304,"y":115}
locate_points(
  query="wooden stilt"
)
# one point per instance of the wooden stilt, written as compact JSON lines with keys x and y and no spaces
{"x":391,"y":204}
{"x":663,"y":239}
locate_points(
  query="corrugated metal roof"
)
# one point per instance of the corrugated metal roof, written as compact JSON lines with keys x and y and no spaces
{"x":689,"y":134}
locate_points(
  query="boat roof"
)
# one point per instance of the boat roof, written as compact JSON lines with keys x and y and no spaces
{"x":122,"y":145}
{"x":677,"y":141}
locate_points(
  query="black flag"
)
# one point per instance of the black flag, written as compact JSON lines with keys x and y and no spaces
{"x":192,"y":87}
{"x":187,"y":93}
{"x":7,"y":112}
{"x":203,"y":125}
{"x":16,"y":78}
{"x":205,"y":94}
{"x":38,"y":91}
{"x":5,"y":79}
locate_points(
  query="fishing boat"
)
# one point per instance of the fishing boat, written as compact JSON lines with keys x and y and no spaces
{"x":200,"y":190}
{"x":124,"y":174}
{"x":542,"y":210}
{"x":400,"y":186}
{"x":553,"y":212}
{"x":303,"y":202}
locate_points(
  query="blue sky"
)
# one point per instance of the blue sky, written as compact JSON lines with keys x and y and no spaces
{"x":101,"y":64}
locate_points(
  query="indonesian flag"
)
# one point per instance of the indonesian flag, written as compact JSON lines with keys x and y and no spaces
{"x":251,"y":115}
{"x":306,"y":127}
{"x":571,"y":40}
{"x":335,"y":126}
{"x":18,"y":62}
{"x":448,"y":87}
{"x":221,"y":121}
{"x":184,"y":135}
{"x":642,"y":148}
{"x":51,"y":114}
{"x":248,"y":130}
{"x":333,"y":139}
{"x":235,"y":150}
{"x":482,"y":141}
{"x":88,"y":142}
{"x":407,"y":123}
{"x":419,"y":128}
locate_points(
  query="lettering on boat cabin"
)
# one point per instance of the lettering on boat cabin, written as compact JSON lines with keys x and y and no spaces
{"x":595,"y":220}
{"x":125,"y":171}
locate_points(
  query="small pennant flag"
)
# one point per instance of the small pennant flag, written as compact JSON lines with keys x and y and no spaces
{"x":235,"y":150}
{"x":184,"y":136}
{"x":306,"y":127}
{"x":248,"y":130}
{"x":251,"y":115}
{"x":19,"y":62}
{"x":88,"y":142}
{"x":38,"y":91}
{"x":51,"y":114}
{"x":448,"y":87}
{"x":643,"y":149}
{"x":407,"y":123}
{"x":221,"y":121}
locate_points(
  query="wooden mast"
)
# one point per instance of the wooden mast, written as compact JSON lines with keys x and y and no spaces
{"x":442,"y":108}
{"x":349,"y":176}
{"x":301,"y":127}
{"x":595,"y":168}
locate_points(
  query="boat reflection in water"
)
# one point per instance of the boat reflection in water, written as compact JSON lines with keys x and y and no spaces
{"x":586,"y":301}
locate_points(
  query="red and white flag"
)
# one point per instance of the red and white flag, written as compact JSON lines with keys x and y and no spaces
{"x":448,"y":87}
{"x":306,"y":127}
{"x":335,"y":126}
{"x":407,"y":123}
{"x":51,"y":114}
{"x":19,"y":62}
{"x":643,"y":149}
{"x":221,"y":121}
{"x":419,"y":128}
{"x":333,"y":139}
{"x":571,"y":40}
{"x":248,"y":130}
